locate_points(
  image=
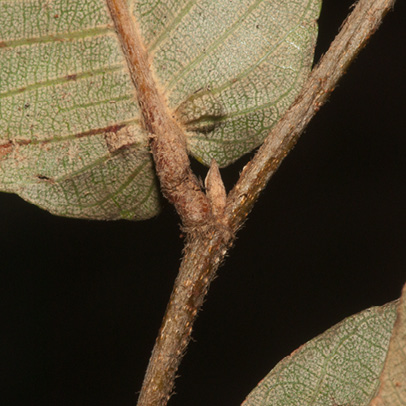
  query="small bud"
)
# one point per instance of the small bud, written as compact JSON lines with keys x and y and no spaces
{"x":215,"y":190}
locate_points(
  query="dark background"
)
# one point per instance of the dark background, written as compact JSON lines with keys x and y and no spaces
{"x":82,"y":300}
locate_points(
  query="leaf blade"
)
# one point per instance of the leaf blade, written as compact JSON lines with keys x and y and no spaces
{"x":231,"y":72}
{"x":392,"y":391}
{"x":339,"y":367}
{"x":68,"y":94}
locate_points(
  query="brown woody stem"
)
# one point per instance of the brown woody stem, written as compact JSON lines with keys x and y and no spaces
{"x":192,"y":283}
{"x":208,"y":239}
{"x":355,"y":32}
{"x":178,"y":183}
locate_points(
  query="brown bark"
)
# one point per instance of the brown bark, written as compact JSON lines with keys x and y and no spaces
{"x":178,"y":183}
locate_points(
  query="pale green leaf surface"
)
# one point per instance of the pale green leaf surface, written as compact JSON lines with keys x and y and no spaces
{"x":70,"y":139}
{"x":70,"y":134}
{"x":229,"y":68}
{"x":340,"y":367}
{"x":392,"y":389}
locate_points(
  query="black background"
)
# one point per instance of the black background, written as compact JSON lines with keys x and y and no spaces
{"x":82,"y":300}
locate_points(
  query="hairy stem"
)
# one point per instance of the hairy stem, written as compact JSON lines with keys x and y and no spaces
{"x":209,"y":236}
{"x":192,"y":283}
{"x":359,"y":26}
{"x":178,"y":183}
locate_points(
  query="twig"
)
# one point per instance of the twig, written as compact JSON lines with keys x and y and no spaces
{"x":359,"y":26}
{"x":210,"y":237}
{"x":197,"y":270}
{"x":178,"y":183}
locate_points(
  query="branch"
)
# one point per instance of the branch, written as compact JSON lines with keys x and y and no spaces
{"x":359,"y":26}
{"x":202,"y":257}
{"x":178,"y":183}
{"x":214,"y":225}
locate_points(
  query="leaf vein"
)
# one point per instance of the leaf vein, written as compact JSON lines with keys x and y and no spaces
{"x":61,"y":80}
{"x":60,"y":37}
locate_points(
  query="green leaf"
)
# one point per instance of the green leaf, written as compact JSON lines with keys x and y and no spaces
{"x":340,"y":367}
{"x":392,"y":390}
{"x":70,"y":134}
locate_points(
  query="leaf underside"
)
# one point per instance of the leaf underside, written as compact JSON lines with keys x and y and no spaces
{"x":392,"y":389}
{"x":70,"y":134}
{"x":341,"y":367}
